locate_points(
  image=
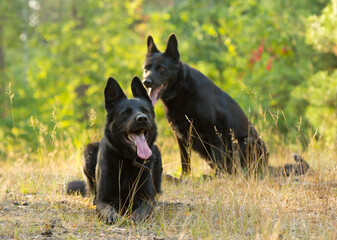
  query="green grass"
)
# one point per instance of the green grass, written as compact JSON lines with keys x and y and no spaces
{"x":33,"y":203}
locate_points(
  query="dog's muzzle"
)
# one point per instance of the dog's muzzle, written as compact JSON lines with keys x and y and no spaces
{"x":142,"y":118}
{"x":147,"y":82}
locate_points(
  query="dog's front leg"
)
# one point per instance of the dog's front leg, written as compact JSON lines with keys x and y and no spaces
{"x":185,"y":159}
{"x":107,"y":213}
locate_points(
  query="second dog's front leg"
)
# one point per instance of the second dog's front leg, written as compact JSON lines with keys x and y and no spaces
{"x":185,"y":158}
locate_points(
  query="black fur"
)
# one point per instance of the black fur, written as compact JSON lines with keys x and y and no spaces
{"x":201,"y":114}
{"x":121,"y":181}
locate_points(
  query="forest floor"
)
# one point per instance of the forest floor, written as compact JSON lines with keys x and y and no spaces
{"x":34,"y":205}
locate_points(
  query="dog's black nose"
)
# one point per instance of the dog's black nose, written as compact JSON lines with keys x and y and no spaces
{"x":142,"y":118}
{"x":147,"y":82}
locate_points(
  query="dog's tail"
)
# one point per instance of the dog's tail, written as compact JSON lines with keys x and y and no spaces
{"x":300,"y":167}
{"x":76,"y":187}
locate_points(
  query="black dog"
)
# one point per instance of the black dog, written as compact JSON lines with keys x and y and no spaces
{"x":202,"y":115}
{"x":124,"y":170}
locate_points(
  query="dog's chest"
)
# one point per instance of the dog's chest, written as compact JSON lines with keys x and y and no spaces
{"x":182,"y":119}
{"x":177,"y":114}
{"x":130,"y":178}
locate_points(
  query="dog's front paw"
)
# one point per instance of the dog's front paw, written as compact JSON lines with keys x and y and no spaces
{"x":111,"y":219}
{"x":108,"y":215}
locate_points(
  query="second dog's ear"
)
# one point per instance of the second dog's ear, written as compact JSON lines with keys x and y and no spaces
{"x":151,"y":47}
{"x":138,"y":89}
{"x":112,"y":93}
{"x":172,"y":48}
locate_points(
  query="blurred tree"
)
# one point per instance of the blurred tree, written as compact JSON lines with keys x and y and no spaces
{"x":321,"y":89}
{"x":11,"y":63}
{"x":9,"y":43}
{"x":71,"y":49}
{"x":58,"y":55}
{"x":321,"y":30}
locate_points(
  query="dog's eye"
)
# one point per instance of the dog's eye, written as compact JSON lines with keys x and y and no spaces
{"x":126,"y":112}
{"x":162,"y":69}
{"x":144,"y":110}
{"x":147,"y":67}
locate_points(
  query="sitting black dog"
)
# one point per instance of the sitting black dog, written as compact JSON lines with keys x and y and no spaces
{"x":123,"y":171}
{"x":203,"y":116}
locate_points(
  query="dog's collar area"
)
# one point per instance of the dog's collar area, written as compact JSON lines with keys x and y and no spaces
{"x":110,"y":144}
{"x":134,"y":162}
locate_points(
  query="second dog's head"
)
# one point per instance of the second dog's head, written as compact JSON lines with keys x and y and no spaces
{"x":130,"y":127}
{"x":160,"y":69}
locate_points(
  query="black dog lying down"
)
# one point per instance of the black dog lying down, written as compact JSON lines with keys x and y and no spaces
{"x":201,"y":114}
{"x":124,"y":170}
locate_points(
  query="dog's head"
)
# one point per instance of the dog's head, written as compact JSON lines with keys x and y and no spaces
{"x":160,"y":69}
{"x":130,"y":126}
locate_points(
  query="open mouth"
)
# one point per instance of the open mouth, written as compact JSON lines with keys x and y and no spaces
{"x":137,"y":141}
{"x":155,"y":93}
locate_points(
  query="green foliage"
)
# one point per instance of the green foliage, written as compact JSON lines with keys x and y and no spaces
{"x":322,"y":98}
{"x":321,"y":88}
{"x":321,"y":31}
{"x":58,"y":55}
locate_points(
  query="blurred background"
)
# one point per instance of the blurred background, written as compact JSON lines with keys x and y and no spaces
{"x":277,"y":59}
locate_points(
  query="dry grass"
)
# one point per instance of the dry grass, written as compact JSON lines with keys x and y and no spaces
{"x":33,"y":204}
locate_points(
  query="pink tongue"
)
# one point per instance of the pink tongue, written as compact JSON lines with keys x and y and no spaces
{"x":154,"y":95}
{"x":143,"y":150}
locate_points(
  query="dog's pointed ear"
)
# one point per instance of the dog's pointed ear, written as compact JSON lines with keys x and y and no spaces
{"x":112,"y":93}
{"x":151,"y":47}
{"x":138,"y":89}
{"x":172,"y":47}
